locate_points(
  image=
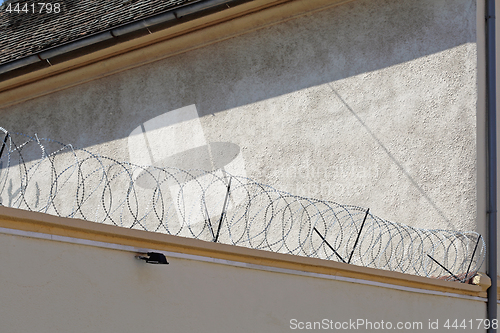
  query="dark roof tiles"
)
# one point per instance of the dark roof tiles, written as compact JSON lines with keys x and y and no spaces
{"x":22,"y":34}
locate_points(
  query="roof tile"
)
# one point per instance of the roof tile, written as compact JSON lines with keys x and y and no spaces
{"x":22,"y":34}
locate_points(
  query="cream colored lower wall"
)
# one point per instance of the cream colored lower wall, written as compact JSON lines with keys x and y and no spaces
{"x":49,"y":286}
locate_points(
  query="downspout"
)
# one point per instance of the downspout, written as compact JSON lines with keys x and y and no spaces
{"x":492,"y":159}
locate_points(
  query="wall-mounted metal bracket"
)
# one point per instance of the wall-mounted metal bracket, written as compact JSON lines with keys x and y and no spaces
{"x":153,"y":258}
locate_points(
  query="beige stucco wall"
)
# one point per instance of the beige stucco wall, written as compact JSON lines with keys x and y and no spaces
{"x":51,"y":286}
{"x":370,"y":103}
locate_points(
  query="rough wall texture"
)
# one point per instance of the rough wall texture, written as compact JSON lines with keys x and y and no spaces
{"x":371,"y":103}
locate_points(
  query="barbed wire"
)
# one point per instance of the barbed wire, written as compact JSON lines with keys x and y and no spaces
{"x":51,"y":177}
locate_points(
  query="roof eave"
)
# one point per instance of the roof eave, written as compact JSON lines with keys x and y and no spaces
{"x":190,"y":34}
{"x":115,"y":35}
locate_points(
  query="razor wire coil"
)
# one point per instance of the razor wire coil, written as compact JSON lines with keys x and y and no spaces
{"x":51,"y":177}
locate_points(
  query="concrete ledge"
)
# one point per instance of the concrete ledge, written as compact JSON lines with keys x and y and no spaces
{"x":43,"y":223}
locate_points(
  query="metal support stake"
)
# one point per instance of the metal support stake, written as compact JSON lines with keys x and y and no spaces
{"x":446,"y":269}
{"x":324,"y":240}
{"x":209,"y":223}
{"x":471,"y":259}
{"x":4,"y":143}
{"x":223,"y":210}
{"x":359,"y":233}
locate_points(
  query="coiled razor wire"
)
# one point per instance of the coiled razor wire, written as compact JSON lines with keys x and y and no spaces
{"x":48,"y":176}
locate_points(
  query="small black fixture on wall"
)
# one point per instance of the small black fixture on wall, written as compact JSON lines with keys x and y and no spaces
{"x":153,"y":258}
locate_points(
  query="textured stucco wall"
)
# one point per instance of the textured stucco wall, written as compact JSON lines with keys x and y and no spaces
{"x":370,"y":103}
{"x":48,"y":286}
